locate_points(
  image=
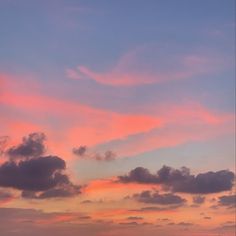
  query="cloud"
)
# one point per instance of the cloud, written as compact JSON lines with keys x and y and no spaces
{"x":161,"y":199}
{"x":31,"y":146}
{"x":180,"y":180}
{"x":134,"y":218}
{"x":154,"y":209}
{"x":82,"y":152}
{"x":135,"y":68}
{"x":185,"y":224}
{"x":228,"y":201}
{"x":190,"y":122}
{"x":68,"y":190}
{"x":5,"y":196}
{"x":3,"y":144}
{"x":152,"y":127}
{"x":36,"y":176}
{"x":198,"y":199}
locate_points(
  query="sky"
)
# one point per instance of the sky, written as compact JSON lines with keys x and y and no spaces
{"x":117,"y":117}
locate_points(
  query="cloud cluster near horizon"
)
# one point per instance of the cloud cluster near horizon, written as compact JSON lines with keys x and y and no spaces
{"x":181,"y":180}
{"x":37,"y":175}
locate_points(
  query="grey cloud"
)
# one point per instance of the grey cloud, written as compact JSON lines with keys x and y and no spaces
{"x":83,"y":152}
{"x":107,"y":156}
{"x":80,"y":151}
{"x":155,"y":209}
{"x":36,"y":174}
{"x":31,"y":146}
{"x":58,"y":192}
{"x":161,"y":199}
{"x":180,"y":180}
{"x":228,"y":201}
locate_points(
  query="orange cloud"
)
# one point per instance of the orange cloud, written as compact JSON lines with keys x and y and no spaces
{"x":113,"y":187}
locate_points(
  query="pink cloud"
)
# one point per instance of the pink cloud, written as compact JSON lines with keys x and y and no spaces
{"x":132,"y":70}
{"x":188,"y":123}
{"x":69,"y":124}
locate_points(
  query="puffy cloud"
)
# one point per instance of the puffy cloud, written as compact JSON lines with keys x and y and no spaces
{"x":31,"y":146}
{"x":180,"y":180}
{"x":82,"y":152}
{"x":161,"y":199}
{"x":36,"y":176}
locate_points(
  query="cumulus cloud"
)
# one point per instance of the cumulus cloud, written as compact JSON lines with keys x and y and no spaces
{"x":181,"y":180}
{"x":161,"y":199}
{"x":35,"y":175}
{"x":82,"y":152}
{"x":31,"y":146}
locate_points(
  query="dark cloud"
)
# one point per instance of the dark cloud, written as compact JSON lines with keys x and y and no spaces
{"x":156,"y":198}
{"x":198,"y":199}
{"x":79,"y":151}
{"x":59,"y":192}
{"x":155,"y":209}
{"x":82,"y":152}
{"x":37,"y":176}
{"x":228,"y":201}
{"x":180,"y":180}
{"x":31,"y":146}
